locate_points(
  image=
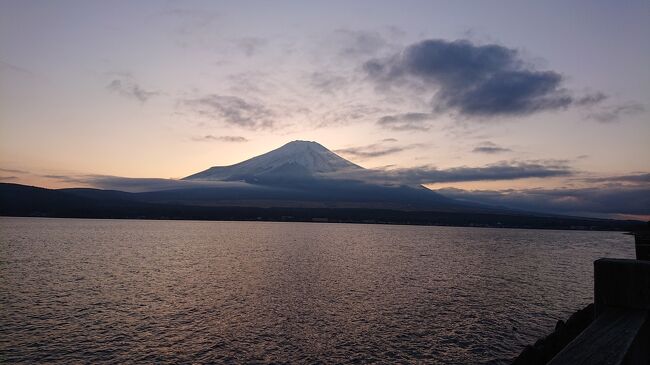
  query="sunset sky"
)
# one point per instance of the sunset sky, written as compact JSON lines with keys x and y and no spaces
{"x":549,"y":100}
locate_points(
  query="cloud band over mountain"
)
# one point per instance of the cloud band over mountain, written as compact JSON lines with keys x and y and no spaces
{"x":494,"y":172}
{"x":614,"y":201}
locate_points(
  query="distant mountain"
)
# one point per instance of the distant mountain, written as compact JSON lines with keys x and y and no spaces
{"x":306,"y":174}
{"x":29,"y":201}
{"x":297,"y":159}
{"x":22,"y":200}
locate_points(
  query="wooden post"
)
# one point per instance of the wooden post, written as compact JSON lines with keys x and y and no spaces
{"x":621,"y":283}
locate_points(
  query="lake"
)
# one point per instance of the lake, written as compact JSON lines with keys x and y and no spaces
{"x":116,"y":291}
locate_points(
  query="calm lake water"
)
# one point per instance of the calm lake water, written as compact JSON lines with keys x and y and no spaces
{"x":119,"y":291}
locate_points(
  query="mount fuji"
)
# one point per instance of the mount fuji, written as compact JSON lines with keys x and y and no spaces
{"x":297,"y":158}
{"x":300,"y":181}
{"x":306,"y":174}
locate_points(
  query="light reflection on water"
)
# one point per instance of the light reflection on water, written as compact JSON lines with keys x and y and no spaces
{"x":115,"y":291}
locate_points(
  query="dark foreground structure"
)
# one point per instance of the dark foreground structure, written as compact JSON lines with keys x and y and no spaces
{"x":616,"y":328}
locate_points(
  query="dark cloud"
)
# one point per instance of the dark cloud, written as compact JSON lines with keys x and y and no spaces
{"x":594,"y":201}
{"x":8,"y":178}
{"x":210,"y":137}
{"x":126,"y":86}
{"x":490,"y":148}
{"x":406,"y":121}
{"x":389,"y":140}
{"x":475,"y":80}
{"x":504,"y":170}
{"x":233,"y":110}
{"x":616,"y":112}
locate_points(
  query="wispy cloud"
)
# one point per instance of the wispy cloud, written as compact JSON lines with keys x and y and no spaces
{"x":490,"y":148}
{"x":17,"y":69}
{"x":327,"y":82}
{"x":475,"y":80}
{"x":374,"y":150}
{"x":349,"y":113}
{"x":64,"y":178}
{"x":192,"y":27}
{"x":125,"y":85}
{"x":638,"y":178}
{"x":616,"y":112}
{"x":406,"y":121}
{"x":250,"y":45}
{"x":233,"y":110}
{"x":211,"y":138}
{"x":355,"y":43}
{"x":591,"y":99}
{"x":14,"y":171}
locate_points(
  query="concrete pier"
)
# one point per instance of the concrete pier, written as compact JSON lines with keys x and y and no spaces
{"x":620,"y":334}
{"x":642,"y":244}
{"x":620,"y":283}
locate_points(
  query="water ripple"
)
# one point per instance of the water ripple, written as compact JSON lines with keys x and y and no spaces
{"x":102,"y":291}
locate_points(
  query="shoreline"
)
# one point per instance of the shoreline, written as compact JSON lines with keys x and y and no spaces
{"x":625,"y":230}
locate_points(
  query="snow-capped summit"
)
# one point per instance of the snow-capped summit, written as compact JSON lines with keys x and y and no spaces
{"x":304,"y":158}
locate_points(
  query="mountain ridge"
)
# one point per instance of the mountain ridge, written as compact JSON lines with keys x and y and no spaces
{"x":29,"y":201}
